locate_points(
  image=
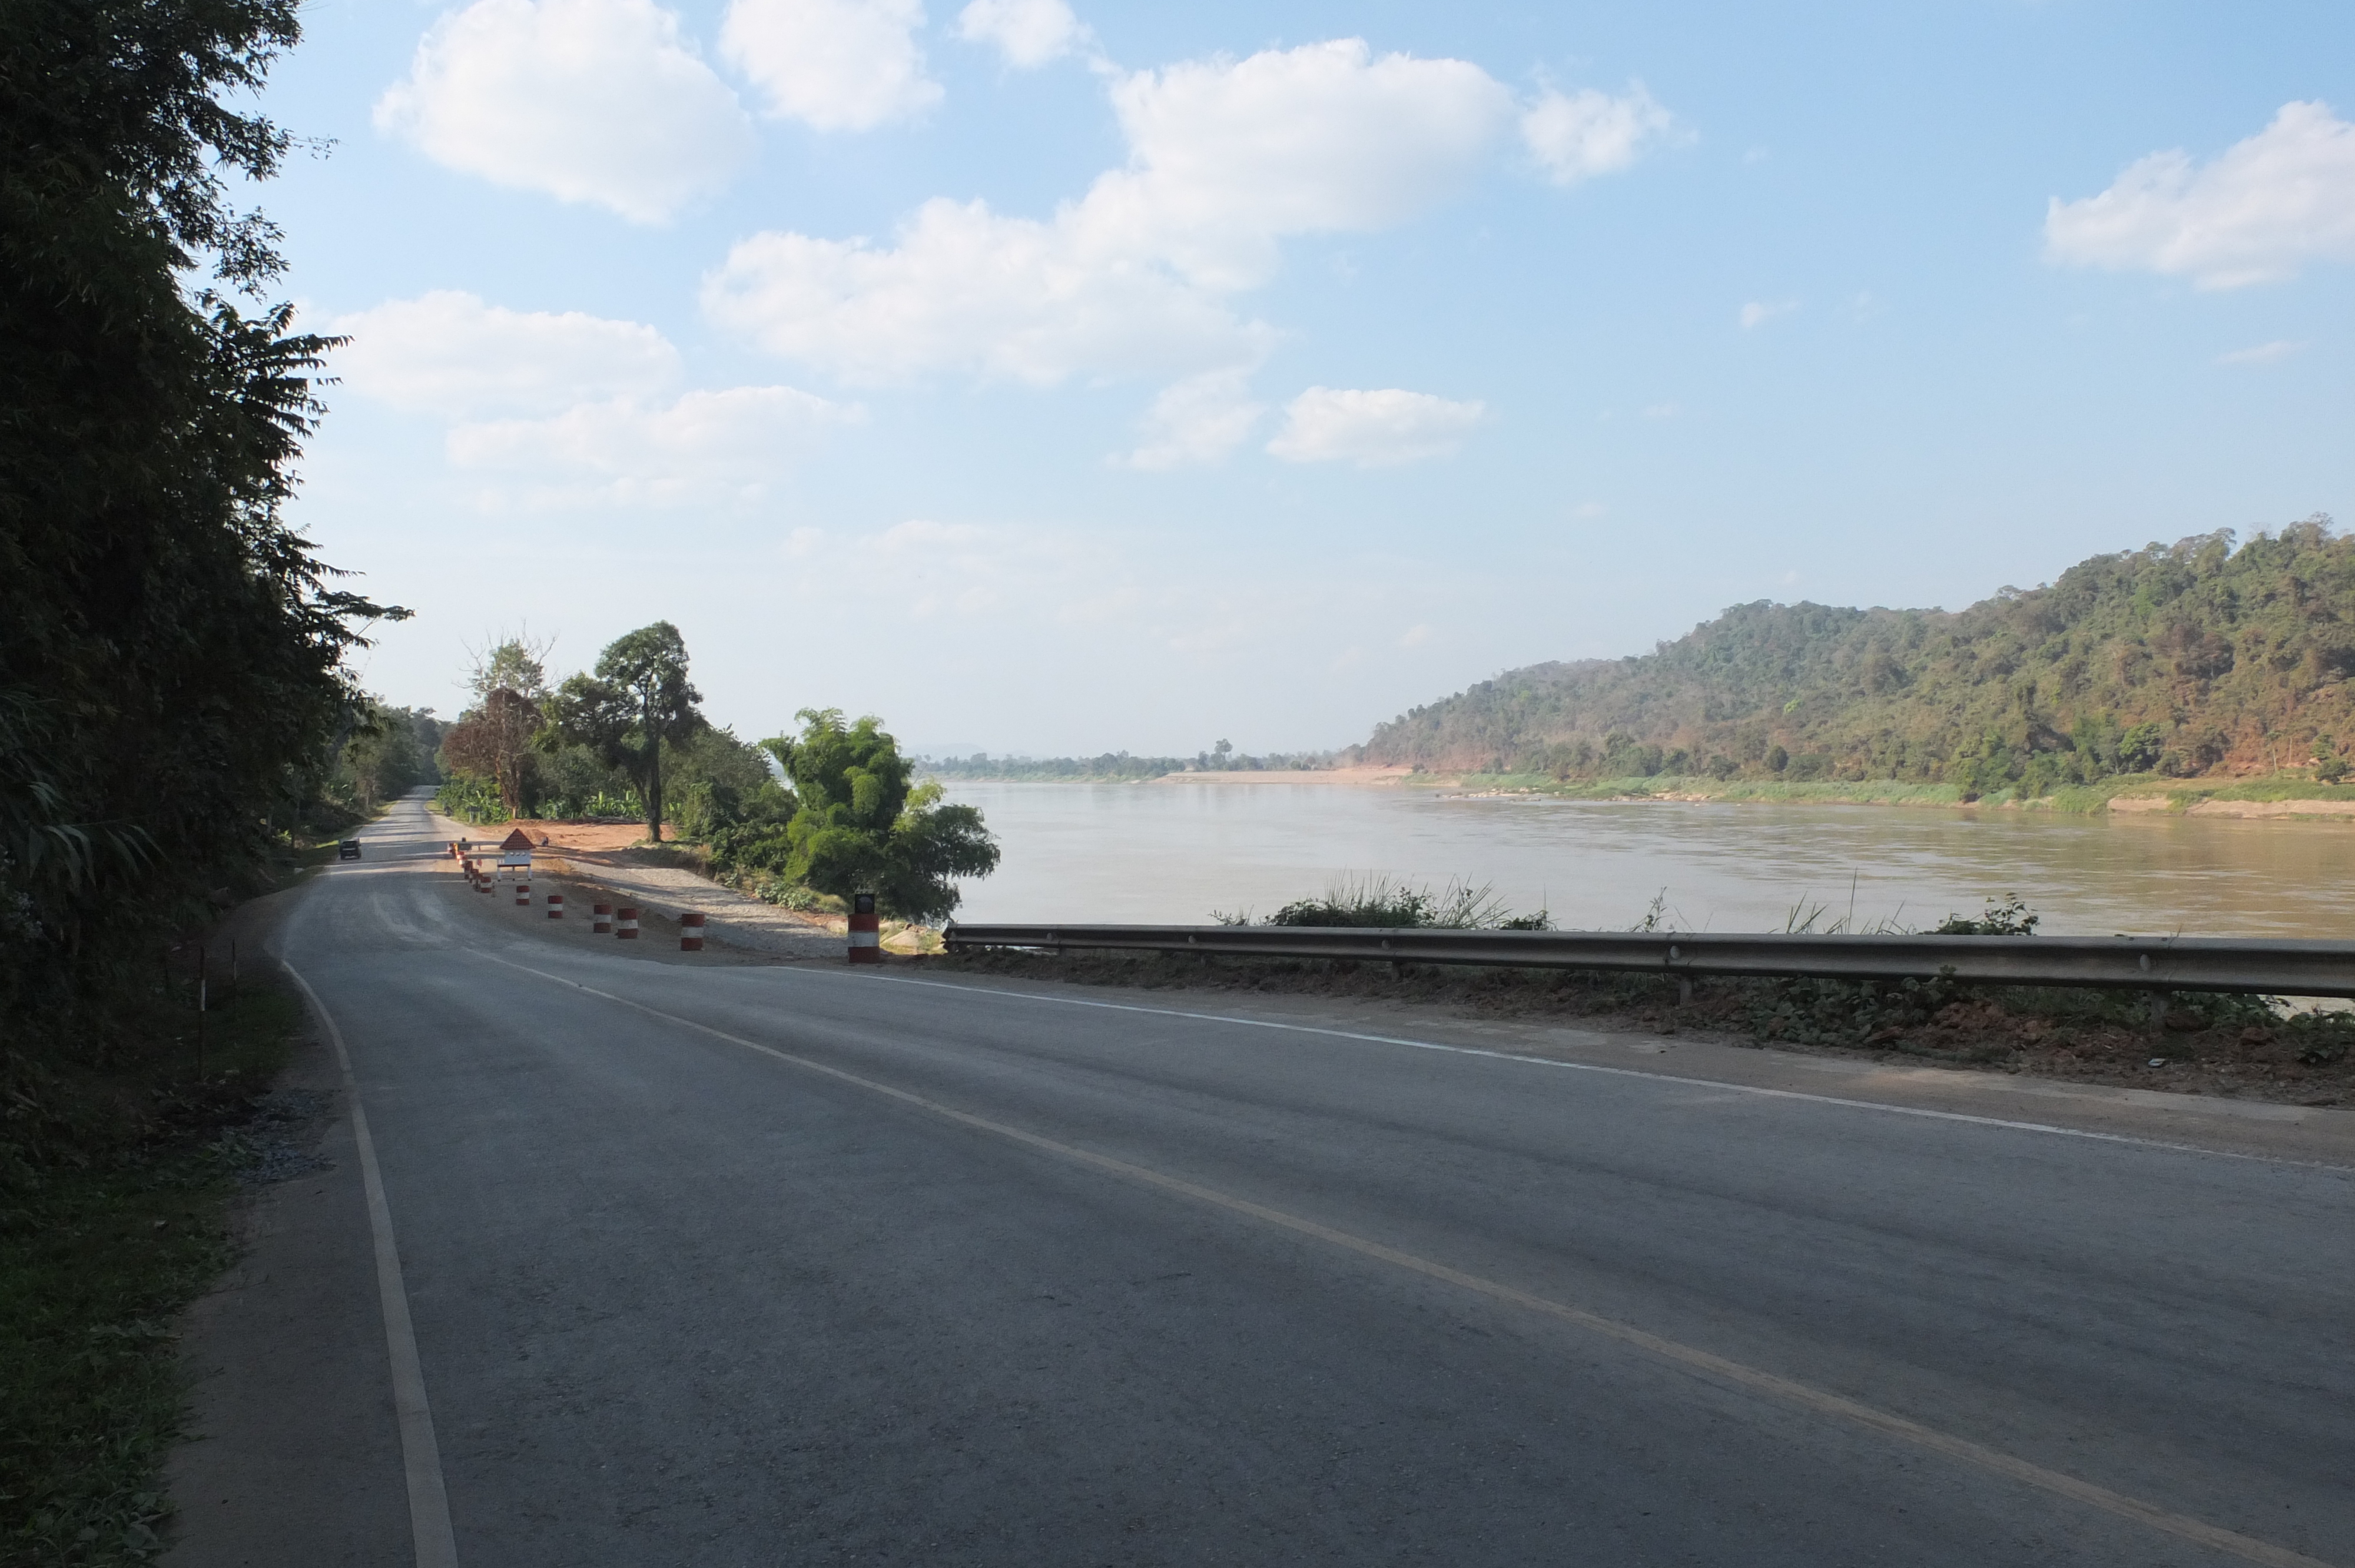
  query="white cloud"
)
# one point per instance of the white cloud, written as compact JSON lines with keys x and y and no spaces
{"x":1226,"y":157}
{"x":964,"y":289}
{"x":2254,"y":214}
{"x":1200,"y":420}
{"x":1576,"y":136}
{"x":2263,"y":354}
{"x":839,"y":65}
{"x":574,"y":408}
{"x":705,"y":446}
{"x":449,"y":352}
{"x":1372,"y":429}
{"x":1028,"y":33}
{"x":1758,"y":312}
{"x":589,"y":100}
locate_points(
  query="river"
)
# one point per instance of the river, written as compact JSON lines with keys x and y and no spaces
{"x":1171,"y":852}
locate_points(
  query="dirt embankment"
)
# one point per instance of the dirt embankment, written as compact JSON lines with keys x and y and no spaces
{"x":596,"y":838}
{"x":2227,"y":1047}
{"x":615,"y":859}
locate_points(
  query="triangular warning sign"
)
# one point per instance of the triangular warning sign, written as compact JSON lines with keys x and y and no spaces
{"x":516,"y":840}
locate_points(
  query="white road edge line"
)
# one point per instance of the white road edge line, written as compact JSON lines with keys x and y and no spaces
{"x":421,"y":1455}
{"x":2059,"y":1483}
{"x":2044,"y":1127}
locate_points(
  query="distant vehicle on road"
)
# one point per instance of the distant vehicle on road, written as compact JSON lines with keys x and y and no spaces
{"x":348,"y":850}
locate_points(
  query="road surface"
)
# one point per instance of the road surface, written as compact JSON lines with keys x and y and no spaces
{"x":694,"y":1262}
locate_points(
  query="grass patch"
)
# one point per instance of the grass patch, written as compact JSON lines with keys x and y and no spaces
{"x":2181,"y":794}
{"x":1376,"y":900}
{"x":102,"y":1246}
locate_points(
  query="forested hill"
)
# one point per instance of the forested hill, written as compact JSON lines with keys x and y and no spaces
{"x":2195,"y":658}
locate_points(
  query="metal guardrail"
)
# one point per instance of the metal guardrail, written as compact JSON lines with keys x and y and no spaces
{"x":2121,"y":963}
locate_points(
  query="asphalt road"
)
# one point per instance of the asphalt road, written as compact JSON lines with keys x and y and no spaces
{"x":715,"y":1263}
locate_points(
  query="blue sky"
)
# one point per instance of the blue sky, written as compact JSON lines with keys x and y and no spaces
{"x":1053,"y":377}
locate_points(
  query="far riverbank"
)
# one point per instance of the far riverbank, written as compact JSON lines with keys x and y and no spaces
{"x":2282,"y":798}
{"x":2285,"y":797}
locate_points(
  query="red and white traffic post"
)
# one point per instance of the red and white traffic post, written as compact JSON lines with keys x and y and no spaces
{"x":866,"y":931}
{"x":690,"y":931}
{"x":627,"y":927}
{"x":602,"y":918}
{"x":556,"y":906}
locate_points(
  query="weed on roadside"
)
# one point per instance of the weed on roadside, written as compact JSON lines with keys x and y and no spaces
{"x":103,"y":1242}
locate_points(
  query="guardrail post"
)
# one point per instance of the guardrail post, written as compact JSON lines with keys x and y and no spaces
{"x":2157,"y":1014}
{"x":866,"y":931}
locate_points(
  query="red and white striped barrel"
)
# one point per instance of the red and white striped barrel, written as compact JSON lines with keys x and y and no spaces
{"x":690,"y":932}
{"x":522,"y":894}
{"x":556,"y":906}
{"x":602,"y":916}
{"x":627,"y":928}
{"x":866,"y":931}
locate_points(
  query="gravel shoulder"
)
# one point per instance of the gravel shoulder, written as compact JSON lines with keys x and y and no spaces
{"x":665,"y":892}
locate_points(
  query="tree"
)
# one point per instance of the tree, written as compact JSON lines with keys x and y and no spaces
{"x":863,"y":826}
{"x":518,"y":663}
{"x":495,"y":741}
{"x":389,"y":750}
{"x":638,"y":699}
{"x":171,"y":675}
{"x":494,"y":738}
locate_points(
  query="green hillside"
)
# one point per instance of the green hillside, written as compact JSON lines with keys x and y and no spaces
{"x":2186,"y":660}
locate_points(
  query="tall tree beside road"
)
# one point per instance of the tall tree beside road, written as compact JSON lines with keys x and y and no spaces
{"x":171,"y":673}
{"x":495,"y":737}
{"x":862,"y":826}
{"x":638,"y":698}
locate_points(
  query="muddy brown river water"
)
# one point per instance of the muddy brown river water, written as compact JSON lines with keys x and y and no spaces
{"x":1176,"y":851}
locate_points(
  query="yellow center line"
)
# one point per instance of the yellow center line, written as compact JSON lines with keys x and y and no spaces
{"x":1791,"y":1391}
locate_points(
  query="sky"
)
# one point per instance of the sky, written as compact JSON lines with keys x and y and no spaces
{"x":1056,"y":378}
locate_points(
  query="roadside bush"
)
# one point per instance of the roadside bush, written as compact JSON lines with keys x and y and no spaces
{"x":470,"y":799}
{"x":2008,"y":917}
{"x":1376,"y":901}
{"x":861,"y":825}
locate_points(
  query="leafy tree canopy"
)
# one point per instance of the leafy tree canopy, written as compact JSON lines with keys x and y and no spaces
{"x":171,"y":679}
{"x":638,"y":699}
{"x":863,"y":825}
{"x":2186,"y":659}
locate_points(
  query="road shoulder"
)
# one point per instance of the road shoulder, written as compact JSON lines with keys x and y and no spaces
{"x":294,"y":1455}
{"x":2259,"y":1129}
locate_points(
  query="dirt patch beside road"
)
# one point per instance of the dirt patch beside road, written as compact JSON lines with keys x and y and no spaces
{"x":2221,"y":1047}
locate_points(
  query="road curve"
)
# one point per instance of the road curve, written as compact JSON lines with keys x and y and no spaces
{"x":714,"y":1263}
